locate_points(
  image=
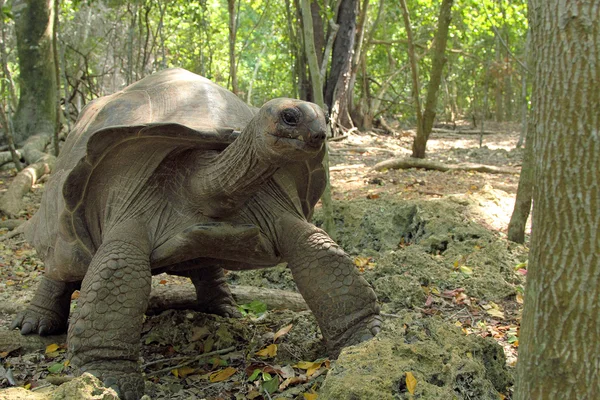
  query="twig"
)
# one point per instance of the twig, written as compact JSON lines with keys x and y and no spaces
{"x":190,"y":361}
{"x":391,"y":315}
{"x":503,"y":42}
{"x":338,"y":138}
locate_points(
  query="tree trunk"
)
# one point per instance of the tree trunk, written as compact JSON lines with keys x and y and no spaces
{"x":317,"y":85}
{"x":413,"y":69}
{"x":232,"y":38}
{"x":336,"y":88}
{"x":357,"y":56}
{"x":36,"y":112}
{"x":438,"y":61}
{"x":524,"y":103}
{"x":560,"y":331}
{"x":499,"y":81}
{"x":518,"y":220}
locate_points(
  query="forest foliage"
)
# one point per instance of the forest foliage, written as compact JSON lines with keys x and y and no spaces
{"x":103,"y":45}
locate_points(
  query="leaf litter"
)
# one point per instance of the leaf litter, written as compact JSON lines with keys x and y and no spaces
{"x":436,"y":260}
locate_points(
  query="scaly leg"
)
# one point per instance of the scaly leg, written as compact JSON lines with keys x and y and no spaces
{"x":105,"y":333}
{"x":342,"y":301}
{"x":213,"y":293}
{"x":48,"y":312}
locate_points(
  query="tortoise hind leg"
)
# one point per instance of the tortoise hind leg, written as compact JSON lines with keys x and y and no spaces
{"x":48,"y":312}
{"x":212,"y":292}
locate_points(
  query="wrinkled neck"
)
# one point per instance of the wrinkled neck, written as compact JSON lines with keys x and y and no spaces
{"x":232,"y":177}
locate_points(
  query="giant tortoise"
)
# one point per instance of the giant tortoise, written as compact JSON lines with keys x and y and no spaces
{"x":176,"y":174}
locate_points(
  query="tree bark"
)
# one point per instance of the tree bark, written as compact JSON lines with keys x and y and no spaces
{"x":560,"y":331}
{"x":36,"y":112}
{"x":336,"y":88}
{"x":438,"y":61}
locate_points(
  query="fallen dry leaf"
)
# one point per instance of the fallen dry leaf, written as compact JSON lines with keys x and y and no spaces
{"x":51,"y":348}
{"x":269,"y":351}
{"x":281,"y":332}
{"x":310,"y":396}
{"x":222,"y":374}
{"x":411,"y":382}
{"x":183,"y":372}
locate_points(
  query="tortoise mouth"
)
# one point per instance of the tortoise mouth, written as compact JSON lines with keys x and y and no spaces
{"x":298,"y":142}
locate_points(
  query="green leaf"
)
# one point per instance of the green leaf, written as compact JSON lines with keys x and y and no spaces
{"x":271,"y":385}
{"x":466,"y":270}
{"x":254,"y":375}
{"x":266,"y":376}
{"x":255,"y":307}
{"x":56,"y":368}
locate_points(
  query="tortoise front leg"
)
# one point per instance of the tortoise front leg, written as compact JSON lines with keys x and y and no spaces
{"x":105,"y":333}
{"x":342,"y":301}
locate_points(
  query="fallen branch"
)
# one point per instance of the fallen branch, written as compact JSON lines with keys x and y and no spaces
{"x":463,"y":132}
{"x":33,"y":148}
{"x":13,"y":340}
{"x":406,"y":163}
{"x":6,"y":156}
{"x":346,"y":167}
{"x":386,"y":128}
{"x":11,"y":202}
{"x":183,"y":296}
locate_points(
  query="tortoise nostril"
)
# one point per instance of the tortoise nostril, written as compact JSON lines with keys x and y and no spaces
{"x":317,"y":137}
{"x":291,"y":116}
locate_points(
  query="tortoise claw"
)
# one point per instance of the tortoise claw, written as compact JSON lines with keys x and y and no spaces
{"x":40,"y":322}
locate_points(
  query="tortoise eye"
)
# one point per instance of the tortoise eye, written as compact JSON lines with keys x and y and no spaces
{"x":291,"y":116}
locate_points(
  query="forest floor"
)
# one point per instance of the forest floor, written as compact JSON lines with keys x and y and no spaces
{"x":432,"y":244}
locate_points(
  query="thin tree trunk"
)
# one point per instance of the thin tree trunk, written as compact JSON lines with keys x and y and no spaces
{"x":499,"y":81}
{"x":413,"y":68}
{"x":486,"y":91}
{"x":524,"y":103}
{"x":255,"y":74}
{"x":7,"y":81}
{"x":232,"y":37}
{"x":8,"y":133}
{"x":358,"y":50}
{"x":438,"y":61}
{"x":294,"y":49}
{"x":56,"y":76}
{"x":559,"y":344}
{"x":36,"y":112}
{"x":336,"y":87}
{"x":317,"y":85}
{"x":518,"y":220}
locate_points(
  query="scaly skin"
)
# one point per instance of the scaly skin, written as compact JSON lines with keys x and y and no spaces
{"x":342,"y":301}
{"x":213,"y":294}
{"x":49,"y":310}
{"x":105,"y":333}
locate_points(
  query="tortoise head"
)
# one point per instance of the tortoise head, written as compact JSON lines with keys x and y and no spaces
{"x":289,"y":129}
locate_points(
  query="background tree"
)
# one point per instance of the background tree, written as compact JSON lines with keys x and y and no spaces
{"x":336,"y":87}
{"x":560,"y":331}
{"x":426,"y":119}
{"x":34,"y":25}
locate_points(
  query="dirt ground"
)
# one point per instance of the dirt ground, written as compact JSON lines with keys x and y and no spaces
{"x":431,"y":243}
